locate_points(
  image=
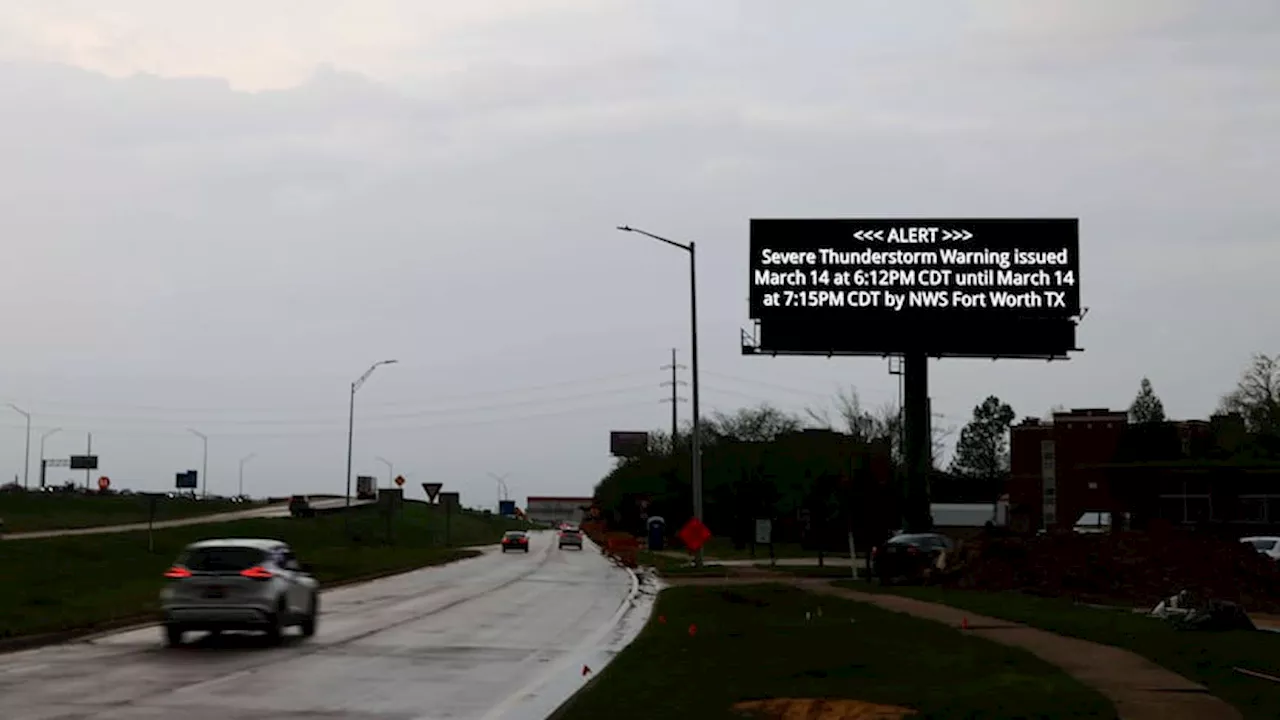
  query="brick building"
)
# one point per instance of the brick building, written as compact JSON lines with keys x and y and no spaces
{"x":1052,"y":481}
{"x":1072,"y":465}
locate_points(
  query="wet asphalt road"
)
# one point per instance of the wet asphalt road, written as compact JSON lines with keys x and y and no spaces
{"x":496,"y":636}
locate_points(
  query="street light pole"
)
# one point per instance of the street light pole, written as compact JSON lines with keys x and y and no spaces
{"x":504,"y":492}
{"x":690,"y":248}
{"x":391,"y":471}
{"x":26,"y":455}
{"x":44,"y":437}
{"x":351,"y":418}
{"x":244,"y":460}
{"x":204,"y":461}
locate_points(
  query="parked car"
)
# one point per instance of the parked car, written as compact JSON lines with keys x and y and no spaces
{"x":300,"y":506}
{"x":240,"y":584}
{"x":570,"y":537}
{"x":1268,"y":545}
{"x":914,"y":557}
{"x":515,"y":540}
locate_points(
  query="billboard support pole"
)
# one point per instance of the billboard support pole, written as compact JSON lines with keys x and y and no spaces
{"x":917,"y":443}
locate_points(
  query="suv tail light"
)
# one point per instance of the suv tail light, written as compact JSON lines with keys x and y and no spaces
{"x":257,"y":573}
{"x":177,"y":572}
{"x":913,"y":550}
{"x":875,"y":550}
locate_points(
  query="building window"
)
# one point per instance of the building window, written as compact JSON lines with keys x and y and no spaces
{"x":1253,"y":509}
{"x":1185,"y":508}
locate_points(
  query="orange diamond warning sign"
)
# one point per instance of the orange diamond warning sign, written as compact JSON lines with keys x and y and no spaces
{"x":694,"y":534}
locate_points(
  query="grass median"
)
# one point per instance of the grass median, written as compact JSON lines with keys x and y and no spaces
{"x":84,"y":582}
{"x":33,"y":512}
{"x":1209,"y":658}
{"x":756,"y":642}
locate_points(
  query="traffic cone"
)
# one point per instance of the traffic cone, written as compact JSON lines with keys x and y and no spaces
{"x":585,"y":671}
{"x":964,"y":623}
{"x":693,"y":630}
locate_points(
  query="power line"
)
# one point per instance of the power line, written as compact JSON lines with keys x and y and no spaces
{"x":388,"y":429}
{"x":762,"y":383}
{"x":292,"y":407}
{"x":434,"y":412}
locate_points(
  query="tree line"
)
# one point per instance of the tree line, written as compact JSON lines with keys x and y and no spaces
{"x":821,"y":473}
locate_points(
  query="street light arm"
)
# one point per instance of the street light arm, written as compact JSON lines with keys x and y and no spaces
{"x":22,"y":412}
{"x":198,"y":434}
{"x":659,"y":238}
{"x":356,"y":385}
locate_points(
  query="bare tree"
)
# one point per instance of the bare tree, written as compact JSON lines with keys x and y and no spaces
{"x":1257,"y":396}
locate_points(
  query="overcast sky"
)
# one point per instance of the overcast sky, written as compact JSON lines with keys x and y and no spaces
{"x":218,"y":217}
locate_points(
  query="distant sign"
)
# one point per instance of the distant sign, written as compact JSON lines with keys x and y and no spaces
{"x":451,"y":499}
{"x":764,"y":531}
{"x":628,"y":443}
{"x":186,"y":480}
{"x":84,"y":462}
{"x":400,"y":480}
{"x":104,"y":482}
{"x":432,"y":490}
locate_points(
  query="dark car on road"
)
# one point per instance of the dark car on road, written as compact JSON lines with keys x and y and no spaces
{"x":911,"y":557}
{"x":515,"y":540}
{"x":300,"y":506}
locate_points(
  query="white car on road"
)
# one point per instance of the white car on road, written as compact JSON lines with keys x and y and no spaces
{"x":239,"y":584}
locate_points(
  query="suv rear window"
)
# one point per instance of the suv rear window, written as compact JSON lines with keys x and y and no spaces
{"x":1264,"y":545}
{"x":222,"y":559}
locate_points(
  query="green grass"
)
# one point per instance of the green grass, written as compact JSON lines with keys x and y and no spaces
{"x":1204,"y":657}
{"x":30,"y":512}
{"x":68,"y":583}
{"x":754,"y":642}
{"x":721,"y":548}
{"x":669,"y":566}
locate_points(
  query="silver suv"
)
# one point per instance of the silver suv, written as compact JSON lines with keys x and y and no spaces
{"x":239,"y":584}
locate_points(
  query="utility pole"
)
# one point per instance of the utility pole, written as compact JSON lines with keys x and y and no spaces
{"x":675,"y":382}
{"x":43,"y":462}
{"x":88,"y":451}
{"x":26,"y":455}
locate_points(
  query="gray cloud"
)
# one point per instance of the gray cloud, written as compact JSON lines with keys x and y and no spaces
{"x":445,"y":193}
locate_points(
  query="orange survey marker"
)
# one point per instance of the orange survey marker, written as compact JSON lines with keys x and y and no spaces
{"x":964,"y":623}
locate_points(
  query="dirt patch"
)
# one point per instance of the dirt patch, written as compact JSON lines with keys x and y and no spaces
{"x":820,"y":709}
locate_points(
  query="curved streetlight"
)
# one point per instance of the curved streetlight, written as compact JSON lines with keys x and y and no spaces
{"x":44,"y":437}
{"x":351,"y":418}
{"x":504,"y":492}
{"x":391,"y":470}
{"x":690,"y":248}
{"x":26,"y":454}
{"x":244,"y":460}
{"x":204,"y":462}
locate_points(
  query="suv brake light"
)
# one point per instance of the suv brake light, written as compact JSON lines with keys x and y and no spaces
{"x":257,"y":573}
{"x":913,"y":550}
{"x":177,"y":572}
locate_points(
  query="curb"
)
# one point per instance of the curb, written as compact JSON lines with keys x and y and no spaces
{"x":565,"y":706}
{"x":145,"y":620}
